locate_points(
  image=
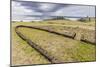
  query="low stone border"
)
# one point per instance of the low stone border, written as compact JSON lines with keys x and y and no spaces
{"x":43,"y":52}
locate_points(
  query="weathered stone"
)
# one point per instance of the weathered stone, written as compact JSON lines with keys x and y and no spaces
{"x":89,"y":37}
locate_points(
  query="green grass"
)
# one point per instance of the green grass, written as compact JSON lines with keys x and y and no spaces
{"x":85,"y":52}
{"x":23,"y":54}
{"x":64,"y":49}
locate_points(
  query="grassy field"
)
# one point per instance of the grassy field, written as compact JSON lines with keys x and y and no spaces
{"x":62,"y":48}
{"x":22,"y":53}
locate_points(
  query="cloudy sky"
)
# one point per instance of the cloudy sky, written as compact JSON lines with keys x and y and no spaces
{"x":29,"y":10}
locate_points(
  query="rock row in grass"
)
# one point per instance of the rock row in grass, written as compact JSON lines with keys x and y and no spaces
{"x":57,"y":50}
{"x":49,"y":57}
{"x":89,"y":36}
{"x":77,"y":33}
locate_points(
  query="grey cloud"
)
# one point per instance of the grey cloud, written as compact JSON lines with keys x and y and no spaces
{"x":54,"y":9}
